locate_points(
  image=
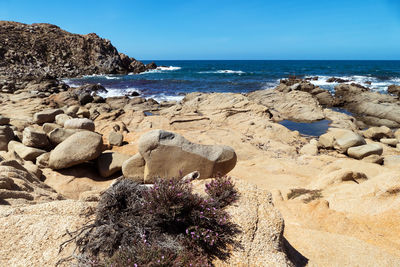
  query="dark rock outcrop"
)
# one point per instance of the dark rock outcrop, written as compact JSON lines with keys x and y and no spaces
{"x":31,"y":51}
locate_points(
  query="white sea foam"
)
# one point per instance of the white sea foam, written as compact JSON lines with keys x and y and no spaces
{"x":164,"y":97}
{"x":367,"y":81}
{"x":168,"y":68}
{"x":161,"y":69}
{"x":223,"y":72}
{"x":118,"y":91}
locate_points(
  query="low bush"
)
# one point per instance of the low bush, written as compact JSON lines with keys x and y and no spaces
{"x":163,"y":225}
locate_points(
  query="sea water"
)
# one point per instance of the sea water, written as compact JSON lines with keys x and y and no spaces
{"x":173,"y":79}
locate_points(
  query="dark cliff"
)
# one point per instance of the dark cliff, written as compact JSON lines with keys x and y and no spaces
{"x":31,"y":51}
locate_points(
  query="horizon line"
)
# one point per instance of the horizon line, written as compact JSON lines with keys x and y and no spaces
{"x":269,"y":59}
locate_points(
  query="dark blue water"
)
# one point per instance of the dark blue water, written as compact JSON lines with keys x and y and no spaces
{"x":180,"y":77}
{"x":312,"y":128}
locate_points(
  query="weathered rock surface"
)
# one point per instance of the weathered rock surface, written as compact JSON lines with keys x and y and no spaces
{"x":62,"y":118}
{"x":377,"y":133}
{"x":115,"y":138}
{"x":18,"y":184}
{"x":46,"y":115}
{"x":261,"y":241}
{"x":170,"y":155}
{"x":340,"y":139}
{"x":349,"y":139}
{"x":373,"y":108}
{"x":394,"y":89}
{"x":59,"y":135}
{"x":48,"y":127}
{"x":78,"y":148}
{"x":133,"y":168}
{"x":108,"y":163}
{"x":80,"y":123}
{"x":295,"y":105}
{"x":6,"y":135}
{"x":37,"y":231}
{"x":34,"y":138}
{"x":360,"y":152}
{"x":25,"y":152}
{"x":4,"y":120}
{"x":389,"y":141}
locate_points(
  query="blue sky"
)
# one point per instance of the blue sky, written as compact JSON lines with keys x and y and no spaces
{"x":222,"y":29}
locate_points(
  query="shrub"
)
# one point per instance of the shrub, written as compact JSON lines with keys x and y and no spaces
{"x":165,"y":225}
{"x":222,"y":191}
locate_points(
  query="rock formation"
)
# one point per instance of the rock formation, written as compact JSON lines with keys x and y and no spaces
{"x":28,"y":52}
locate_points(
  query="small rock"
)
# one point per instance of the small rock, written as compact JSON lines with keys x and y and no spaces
{"x":48,"y":127}
{"x":80,"y":123}
{"x":363,"y":151}
{"x":85,"y":98}
{"x":72,"y":110}
{"x":25,"y":152}
{"x":34,"y":138}
{"x":62,"y":118}
{"x":83,"y":113}
{"x":6,"y":135}
{"x":43,"y":160}
{"x":115,"y":138}
{"x":397,"y":134}
{"x":76,"y":149}
{"x":4,"y":120}
{"x":373,"y":159}
{"x":346,"y":140}
{"x":389,"y":141}
{"x":376,"y":133}
{"x":309,"y":149}
{"x":33,"y":169}
{"x":110,"y":162}
{"x":46,"y":115}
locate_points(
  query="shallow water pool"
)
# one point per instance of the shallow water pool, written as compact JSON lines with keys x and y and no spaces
{"x":307,"y":128}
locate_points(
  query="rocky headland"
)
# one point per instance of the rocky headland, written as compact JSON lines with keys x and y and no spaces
{"x":40,"y":50}
{"x":329,"y":200}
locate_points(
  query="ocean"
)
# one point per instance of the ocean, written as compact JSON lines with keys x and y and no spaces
{"x":174,"y":78}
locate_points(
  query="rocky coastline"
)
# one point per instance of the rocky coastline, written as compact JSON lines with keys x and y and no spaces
{"x":304,"y":200}
{"x":31,"y":52}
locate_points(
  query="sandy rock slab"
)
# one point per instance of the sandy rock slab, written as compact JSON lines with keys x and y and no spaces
{"x":31,"y":235}
{"x":261,"y":224}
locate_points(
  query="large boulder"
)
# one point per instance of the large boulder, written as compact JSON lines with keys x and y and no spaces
{"x":372,"y":108}
{"x":80,"y":123}
{"x":25,"y":152}
{"x":59,"y":135}
{"x":294,"y":105}
{"x":34,"y":138}
{"x":360,"y":152}
{"x":110,"y":162}
{"x":76,"y":149}
{"x":133,"y":168}
{"x":46,"y":115}
{"x":170,"y":155}
{"x":6,"y":135}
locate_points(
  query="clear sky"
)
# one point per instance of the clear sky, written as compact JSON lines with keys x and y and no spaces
{"x":227,"y":29}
